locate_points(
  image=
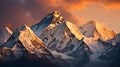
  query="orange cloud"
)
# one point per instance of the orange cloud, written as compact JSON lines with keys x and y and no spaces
{"x":76,"y":5}
{"x":81,"y":4}
{"x":9,"y":25}
{"x":15,"y":13}
{"x":111,"y":5}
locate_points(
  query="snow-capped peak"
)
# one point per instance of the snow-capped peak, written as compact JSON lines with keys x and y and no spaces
{"x":97,"y":30}
{"x":26,"y":37}
{"x":74,"y":30}
{"x":4,"y":35}
{"x":14,"y":37}
{"x":29,"y":40}
{"x":56,"y":13}
{"x":50,"y":21}
{"x":63,"y":29}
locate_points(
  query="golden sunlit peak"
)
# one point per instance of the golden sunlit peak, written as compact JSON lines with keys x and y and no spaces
{"x":74,"y":30}
{"x":98,"y":30}
{"x":56,"y":13}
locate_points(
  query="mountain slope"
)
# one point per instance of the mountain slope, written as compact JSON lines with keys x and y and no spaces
{"x":30,"y":44}
{"x":50,"y":21}
{"x":26,"y":37}
{"x":112,"y":55}
{"x":65,"y":30}
{"x":97,"y":30}
{"x":4,"y":35}
{"x":96,"y":37}
{"x":36,"y":46}
{"x":30,"y":41}
{"x":99,"y":52}
{"x":97,"y":47}
{"x":66,"y":42}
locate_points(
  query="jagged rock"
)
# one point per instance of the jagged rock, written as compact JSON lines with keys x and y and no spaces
{"x":50,"y":21}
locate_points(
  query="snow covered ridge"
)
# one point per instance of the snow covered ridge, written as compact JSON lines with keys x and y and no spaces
{"x":29,"y":40}
{"x":74,"y":30}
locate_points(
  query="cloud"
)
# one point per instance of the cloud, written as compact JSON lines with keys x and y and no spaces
{"x":111,"y":4}
{"x":13,"y":14}
{"x":67,"y":7}
{"x":77,"y":5}
{"x":80,"y":4}
{"x":18,"y":12}
{"x":40,"y":9}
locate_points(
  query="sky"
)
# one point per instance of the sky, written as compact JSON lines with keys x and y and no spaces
{"x":14,"y":13}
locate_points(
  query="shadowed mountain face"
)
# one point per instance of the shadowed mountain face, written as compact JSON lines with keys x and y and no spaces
{"x":55,"y":42}
{"x":50,"y":21}
{"x":4,"y":35}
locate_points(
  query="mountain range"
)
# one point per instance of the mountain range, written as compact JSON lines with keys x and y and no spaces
{"x":57,"y":42}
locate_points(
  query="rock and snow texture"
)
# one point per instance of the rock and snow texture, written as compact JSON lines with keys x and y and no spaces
{"x":37,"y":47}
{"x":97,"y":30}
{"x":50,"y":21}
{"x":60,"y":35}
{"x":13,"y":38}
{"x":14,"y":46}
{"x":29,"y":40}
{"x":102,"y":43}
{"x":66,"y":42}
{"x":97,"y":47}
{"x":23,"y":39}
{"x":26,"y":37}
{"x":96,"y":38}
{"x":4,"y":35}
